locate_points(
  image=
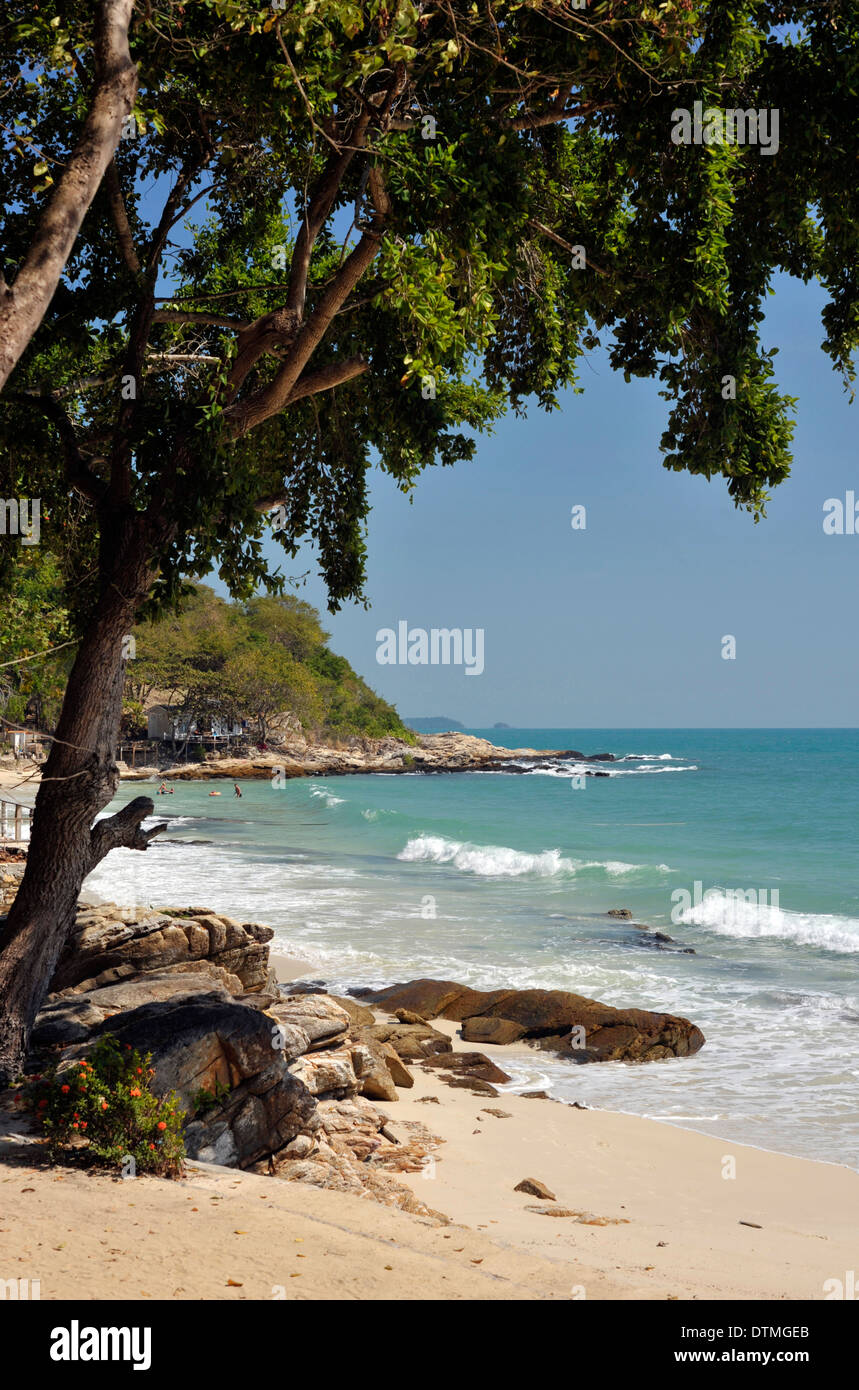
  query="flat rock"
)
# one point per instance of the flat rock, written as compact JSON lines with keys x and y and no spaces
{"x":471,"y":1064}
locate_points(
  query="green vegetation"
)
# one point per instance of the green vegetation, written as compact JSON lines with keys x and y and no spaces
{"x":257,"y":661}
{"x":34,"y":619}
{"x":204,"y":1100}
{"x":103,"y":1109}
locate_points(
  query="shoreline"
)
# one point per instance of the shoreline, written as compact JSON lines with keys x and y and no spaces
{"x":293,"y":969}
{"x":668,"y":1220}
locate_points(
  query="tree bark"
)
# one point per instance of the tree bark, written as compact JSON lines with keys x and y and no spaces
{"x":23,"y":304}
{"x":79,"y":779}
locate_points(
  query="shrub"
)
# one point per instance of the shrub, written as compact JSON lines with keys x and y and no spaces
{"x":102,"y":1108}
{"x":205,"y":1100}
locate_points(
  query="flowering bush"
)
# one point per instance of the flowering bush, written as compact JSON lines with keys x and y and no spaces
{"x":103,"y":1106}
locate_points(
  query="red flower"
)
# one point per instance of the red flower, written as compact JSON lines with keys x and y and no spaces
{"x":162,"y":1124}
{"x":104,"y":1105}
{"x":135,"y":1091}
{"x":75,"y":1125}
{"x":152,"y":1146}
{"x":83,"y":1124}
{"x":65,"y":1090}
{"x":42,"y":1104}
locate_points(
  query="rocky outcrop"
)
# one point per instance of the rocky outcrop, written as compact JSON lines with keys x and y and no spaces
{"x":580,"y":1028}
{"x":109,"y":944}
{"x":265,"y":1080}
{"x":449,"y":752}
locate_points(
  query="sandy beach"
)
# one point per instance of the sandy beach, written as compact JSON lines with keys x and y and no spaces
{"x":651,"y":1214}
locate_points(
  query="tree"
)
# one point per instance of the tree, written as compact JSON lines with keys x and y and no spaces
{"x":35,"y":38}
{"x":416,"y":217}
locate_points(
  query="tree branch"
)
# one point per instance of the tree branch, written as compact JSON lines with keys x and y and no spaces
{"x":122,"y":830}
{"x":23,"y":306}
{"x":120,"y":218}
{"x":191,"y":316}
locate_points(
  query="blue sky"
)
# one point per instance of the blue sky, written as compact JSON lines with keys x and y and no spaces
{"x":621,"y":625}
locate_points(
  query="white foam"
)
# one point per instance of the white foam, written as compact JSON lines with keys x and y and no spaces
{"x":727,"y":915}
{"x":486,"y":860}
{"x":325,"y":795}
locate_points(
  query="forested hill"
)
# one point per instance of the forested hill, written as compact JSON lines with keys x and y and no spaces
{"x":259,"y":661}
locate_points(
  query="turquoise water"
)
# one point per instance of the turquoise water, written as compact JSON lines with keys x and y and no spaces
{"x":505,"y":879}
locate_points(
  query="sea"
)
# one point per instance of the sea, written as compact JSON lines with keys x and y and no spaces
{"x":739,"y":845}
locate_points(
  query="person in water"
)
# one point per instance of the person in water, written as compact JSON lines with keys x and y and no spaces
{"x":162,"y":789}
{"x":237,"y":789}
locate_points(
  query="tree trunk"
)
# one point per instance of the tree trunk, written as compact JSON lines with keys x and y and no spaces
{"x":78,"y":781}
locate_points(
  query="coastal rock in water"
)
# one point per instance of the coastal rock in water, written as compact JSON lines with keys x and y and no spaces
{"x":472,"y":1064}
{"x":581,"y":1028}
{"x":535,"y":1188}
{"x":622,"y":913}
{"x":491,"y":1030}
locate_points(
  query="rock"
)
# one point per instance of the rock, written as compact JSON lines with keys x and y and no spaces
{"x":535,"y":1188}
{"x":412,"y":1042}
{"x":109,"y":943}
{"x":260,"y":1117}
{"x":359,"y":1014}
{"x":622,"y":913}
{"x":491,"y":1030}
{"x":398,"y":1069}
{"x":71,"y":1017}
{"x":551,"y":1211}
{"x":327,"y":1073}
{"x":374,"y":1077}
{"x":305,"y":987}
{"x":407,"y":1016}
{"x":471,"y":1083}
{"x":204,"y":1041}
{"x":535,"y":1095}
{"x":499,"y":1114}
{"x":324,"y":1022}
{"x":581,"y":1028}
{"x":472,"y":1064}
{"x":197,"y":1042}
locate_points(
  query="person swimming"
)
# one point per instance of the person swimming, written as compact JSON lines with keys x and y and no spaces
{"x":237,"y":789}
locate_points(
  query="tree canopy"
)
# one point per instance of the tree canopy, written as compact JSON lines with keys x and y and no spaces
{"x":388,"y":201}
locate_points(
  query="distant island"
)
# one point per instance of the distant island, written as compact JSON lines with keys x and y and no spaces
{"x":436,"y":724}
{"x":502,"y":726}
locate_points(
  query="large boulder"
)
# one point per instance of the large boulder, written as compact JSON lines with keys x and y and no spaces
{"x":70,"y":1017}
{"x":109,"y":944}
{"x":581,"y":1028}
